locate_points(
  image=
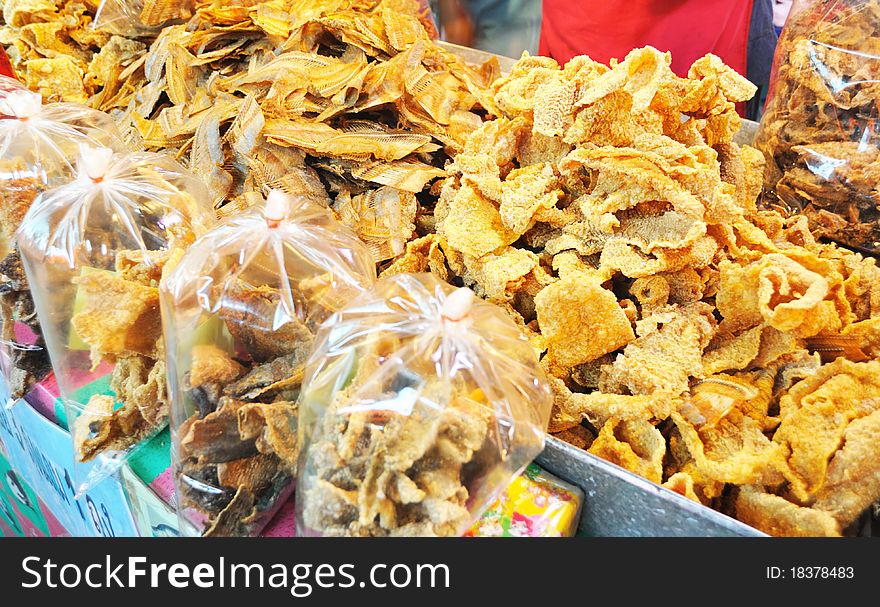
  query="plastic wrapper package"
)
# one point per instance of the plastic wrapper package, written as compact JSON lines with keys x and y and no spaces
{"x":241,"y":311}
{"x":420,"y":404}
{"x":819,"y":133}
{"x":535,"y":504}
{"x":132,"y":18}
{"x":38,"y":144}
{"x":94,"y":251}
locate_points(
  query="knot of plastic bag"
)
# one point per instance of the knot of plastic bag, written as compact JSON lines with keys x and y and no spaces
{"x":93,"y":163}
{"x":18,"y":346}
{"x":21,"y":104}
{"x":284,"y":207}
{"x":457,"y":305}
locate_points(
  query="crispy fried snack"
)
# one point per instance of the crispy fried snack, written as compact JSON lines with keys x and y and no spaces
{"x":101,"y":426}
{"x":577,"y":301}
{"x":15,"y":200}
{"x":627,"y":243}
{"x":635,"y":445}
{"x":852,"y":481}
{"x":119,"y":316}
{"x":405,"y":478}
{"x":140,"y":386}
{"x":777,"y":516}
{"x":815,"y":416}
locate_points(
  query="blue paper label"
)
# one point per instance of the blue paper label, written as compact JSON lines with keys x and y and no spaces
{"x":43,"y":453}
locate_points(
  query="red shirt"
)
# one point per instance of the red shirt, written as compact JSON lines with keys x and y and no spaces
{"x":5,"y":66}
{"x":604,"y":29}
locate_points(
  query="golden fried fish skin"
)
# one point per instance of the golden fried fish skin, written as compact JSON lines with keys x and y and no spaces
{"x":609,"y":210}
{"x":581,"y":302}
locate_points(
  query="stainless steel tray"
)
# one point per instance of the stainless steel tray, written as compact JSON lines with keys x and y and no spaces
{"x":476,"y":57}
{"x":620,"y":503}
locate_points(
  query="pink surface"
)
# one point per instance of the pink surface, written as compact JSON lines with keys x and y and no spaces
{"x":56,"y":529}
{"x":28,"y":528}
{"x":163,"y":486}
{"x":23,"y":333}
{"x":284,"y":523}
{"x":42,"y":397}
{"x":81,"y":377}
{"x":6,"y":530}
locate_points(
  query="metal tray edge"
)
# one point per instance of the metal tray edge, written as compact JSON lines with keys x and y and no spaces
{"x":563,"y":451}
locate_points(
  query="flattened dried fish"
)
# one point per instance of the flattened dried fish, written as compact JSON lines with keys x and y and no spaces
{"x":267,"y":380}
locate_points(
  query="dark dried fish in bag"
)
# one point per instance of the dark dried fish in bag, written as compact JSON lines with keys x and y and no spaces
{"x":819,"y":132}
{"x":241,"y":310}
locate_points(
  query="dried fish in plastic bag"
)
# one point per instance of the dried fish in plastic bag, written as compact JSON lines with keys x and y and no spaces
{"x":94,"y":251}
{"x":418,"y":407}
{"x":241,"y":310}
{"x":38,"y":146}
{"x":819,"y":130}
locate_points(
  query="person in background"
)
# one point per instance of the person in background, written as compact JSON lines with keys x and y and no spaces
{"x":739,"y":31}
{"x":759,"y":61}
{"x":781,"y":8}
{"x":502,"y":27}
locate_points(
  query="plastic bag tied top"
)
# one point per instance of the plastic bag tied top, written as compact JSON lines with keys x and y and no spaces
{"x":241,"y":311}
{"x":820,"y":129}
{"x":94,"y":251}
{"x":38,"y":148}
{"x":419,"y":405}
{"x":38,"y":144}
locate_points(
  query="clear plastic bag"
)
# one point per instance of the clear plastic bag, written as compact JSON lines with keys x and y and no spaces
{"x":241,"y":310}
{"x":420,"y":404}
{"x":819,"y":133}
{"x":94,"y":251}
{"x":38,"y":145}
{"x":132,"y":18}
{"x":8,"y":84}
{"x":120,"y":17}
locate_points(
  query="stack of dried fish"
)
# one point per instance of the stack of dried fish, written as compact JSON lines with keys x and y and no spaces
{"x":278,"y":93}
{"x":693,"y":339}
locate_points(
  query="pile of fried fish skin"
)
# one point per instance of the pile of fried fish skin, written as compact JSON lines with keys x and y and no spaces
{"x":691,"y":337}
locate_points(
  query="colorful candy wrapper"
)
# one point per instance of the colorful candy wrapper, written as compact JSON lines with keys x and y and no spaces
{"x":536,"y":504}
